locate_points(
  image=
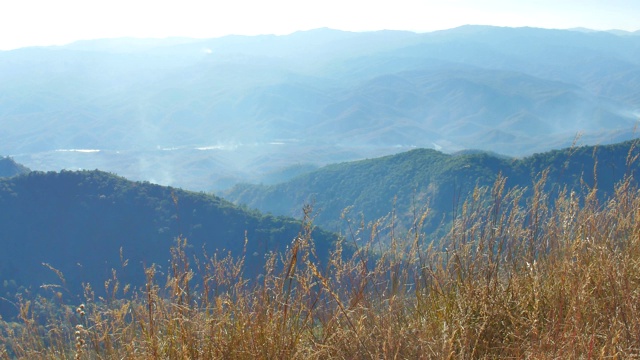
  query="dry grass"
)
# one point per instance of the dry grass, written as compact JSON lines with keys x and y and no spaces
{"x":512,"y":278}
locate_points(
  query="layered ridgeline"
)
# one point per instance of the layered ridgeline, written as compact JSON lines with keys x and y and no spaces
{"x":410,"y":182}
{"x":81,"y":223}
{"x":204,"y":114}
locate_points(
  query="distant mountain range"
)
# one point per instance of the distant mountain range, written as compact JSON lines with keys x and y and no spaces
{"x":410,"y":182}
{"x":612,"y":31}
{"x":206,"y":114}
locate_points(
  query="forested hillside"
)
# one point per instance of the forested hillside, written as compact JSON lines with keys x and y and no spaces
{"x":81,"y":223}
{"x":409,"y":182}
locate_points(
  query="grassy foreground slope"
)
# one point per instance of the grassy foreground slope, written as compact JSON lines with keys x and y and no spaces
{"x":510,"y":278}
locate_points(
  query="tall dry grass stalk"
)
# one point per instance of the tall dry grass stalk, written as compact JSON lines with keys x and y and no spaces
{"x":540,"y":276}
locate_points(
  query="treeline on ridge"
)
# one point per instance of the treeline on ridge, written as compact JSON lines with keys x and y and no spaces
{"x":409,"y":182}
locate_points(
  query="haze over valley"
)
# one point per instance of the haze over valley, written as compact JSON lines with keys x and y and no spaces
{"x":207,"y":114}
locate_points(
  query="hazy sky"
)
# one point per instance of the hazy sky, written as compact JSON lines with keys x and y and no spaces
{"x":48,"y":22}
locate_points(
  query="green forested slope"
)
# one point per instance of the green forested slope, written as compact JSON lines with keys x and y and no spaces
{"x":419,"y":178}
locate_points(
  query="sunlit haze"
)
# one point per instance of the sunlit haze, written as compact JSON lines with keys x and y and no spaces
{"x":44,"y":22}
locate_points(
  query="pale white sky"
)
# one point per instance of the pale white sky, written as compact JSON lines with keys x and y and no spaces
{"x":53,"y":22}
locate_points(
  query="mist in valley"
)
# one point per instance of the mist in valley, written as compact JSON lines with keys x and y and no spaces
{"x":207,"y":114}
